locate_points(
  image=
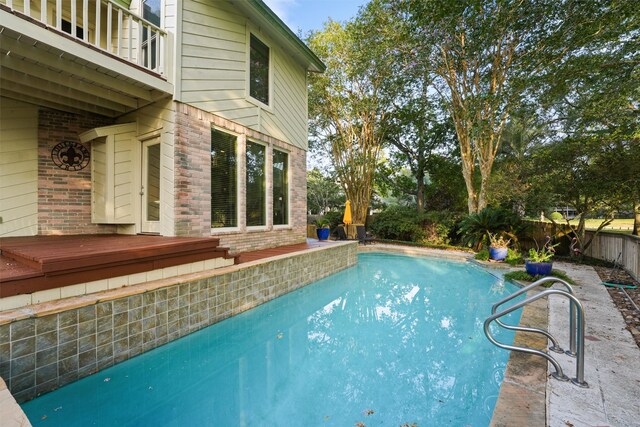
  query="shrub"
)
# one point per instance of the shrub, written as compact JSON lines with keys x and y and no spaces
{"x":334,"y":218}
{"x":397,"y":223}
{"x":405,"y":224}
{"x":476,"y":228}
{"x":556,"y":216}
{"x":483,"y":255}
{"x":514,"y":257}
{"x":525,"y":277}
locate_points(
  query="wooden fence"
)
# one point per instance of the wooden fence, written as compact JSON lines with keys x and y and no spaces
{"x":607,"y":246}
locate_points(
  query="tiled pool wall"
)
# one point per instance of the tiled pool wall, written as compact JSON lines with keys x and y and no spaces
{"x":45,"y":351}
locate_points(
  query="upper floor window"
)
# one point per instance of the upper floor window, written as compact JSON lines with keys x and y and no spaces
{"x":259,"y":70}
{"x":256,"y":184}
{"x":224,"y":180}
{"x":150,"y":12}
{"x":280,"y":188}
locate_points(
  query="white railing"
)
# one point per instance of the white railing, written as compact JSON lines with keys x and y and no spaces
{"x":103,"y":24}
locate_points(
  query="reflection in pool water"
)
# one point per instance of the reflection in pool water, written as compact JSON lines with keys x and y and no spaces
{"x":393,"y":340}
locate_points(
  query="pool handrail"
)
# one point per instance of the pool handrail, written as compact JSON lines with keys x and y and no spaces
{"x":559,"y":374}
{"x":572,"y":313}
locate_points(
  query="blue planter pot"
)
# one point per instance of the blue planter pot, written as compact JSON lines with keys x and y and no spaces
{"x":323,"y":233}
{"x":498,"y":254}
{"x":538,"y":268}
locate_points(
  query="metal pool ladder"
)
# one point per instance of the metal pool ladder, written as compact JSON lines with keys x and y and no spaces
{"x":576,"y":328}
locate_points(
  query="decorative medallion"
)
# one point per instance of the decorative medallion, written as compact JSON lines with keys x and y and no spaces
{"x":70,"y":156}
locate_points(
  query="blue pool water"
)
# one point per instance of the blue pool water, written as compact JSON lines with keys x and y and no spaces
{"x":393,"y":340}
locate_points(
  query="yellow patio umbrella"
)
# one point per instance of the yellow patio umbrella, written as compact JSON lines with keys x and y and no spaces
{"x":347,"y":214}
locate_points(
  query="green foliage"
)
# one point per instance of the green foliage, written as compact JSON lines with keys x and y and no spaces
{"x":482,"y":255}
{"x":514,"y":257}
{"x":323,"y":223}
{"x":323,"y":192}
{"x":543,"y":254}
{"x":405,"y":224}
{"x":476,"y":228}
{"x":397,"y":223}
{"x":523,"y":276}
{"x":334,"y":218}
{"x":556,"y":216}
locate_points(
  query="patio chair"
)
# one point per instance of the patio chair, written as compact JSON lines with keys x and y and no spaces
{"x":342,"y":235}
{"x":363,"y":236}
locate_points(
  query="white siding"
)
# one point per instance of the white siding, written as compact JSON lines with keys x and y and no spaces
{"x":123,"y":178}
{"x":98,"y":180}
{"x":18,"y":168}
{"x":112,"y":171}
{"x":214,"y":73}
{"x":157,"y":118}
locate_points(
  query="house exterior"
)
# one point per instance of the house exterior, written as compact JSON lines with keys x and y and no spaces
{"x":169,"y":117}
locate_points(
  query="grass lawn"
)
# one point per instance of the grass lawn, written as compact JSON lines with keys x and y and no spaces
{"x":622,"y":225}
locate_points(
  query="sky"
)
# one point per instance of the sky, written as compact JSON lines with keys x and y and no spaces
{"x":307,"y":15}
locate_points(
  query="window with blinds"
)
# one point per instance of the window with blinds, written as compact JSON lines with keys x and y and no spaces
{"x":256,"y":184}
{"x":259,"y":70}
{"x":280,"y":188}
{"x":224,"y":180}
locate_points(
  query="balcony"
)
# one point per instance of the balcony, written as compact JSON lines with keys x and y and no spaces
{"x":82,"y":55}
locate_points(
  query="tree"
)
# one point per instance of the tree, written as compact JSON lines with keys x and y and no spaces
{"x":417,"y":134}
{"x":474,"y":50}
{"x":323,"y":192}
{"x":594,"y":94}
{"x":579,"y":172}
{"x":350,"y":102}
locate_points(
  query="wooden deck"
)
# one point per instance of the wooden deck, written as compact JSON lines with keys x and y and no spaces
{"x":36,"y":263}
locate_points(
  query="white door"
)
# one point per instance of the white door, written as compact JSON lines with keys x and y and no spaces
{"x":150,"y":190}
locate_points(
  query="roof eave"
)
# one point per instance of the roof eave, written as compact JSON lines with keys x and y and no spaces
{"x":262,"y":12}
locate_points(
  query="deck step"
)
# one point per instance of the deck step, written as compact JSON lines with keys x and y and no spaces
{"x":39,"y":263}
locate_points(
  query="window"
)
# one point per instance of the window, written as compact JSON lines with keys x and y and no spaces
{"x":256,"y":184}
{"x":150,"y":12}
{"x":280,"y":188}
{"x":224,"y":180}
{"x":259,"y":70}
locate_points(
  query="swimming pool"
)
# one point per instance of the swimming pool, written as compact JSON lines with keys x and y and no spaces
{"x":393,"y":340}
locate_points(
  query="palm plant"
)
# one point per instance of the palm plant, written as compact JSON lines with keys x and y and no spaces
{"x":476,"y":229}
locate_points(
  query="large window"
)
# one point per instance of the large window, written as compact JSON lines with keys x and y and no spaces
{"x":280,"y":188}
{"x":259,"y":70}
{"x":256,"y":184}
{"x":224,"y":180}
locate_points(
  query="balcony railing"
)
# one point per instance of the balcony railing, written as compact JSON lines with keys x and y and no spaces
{"x":103,"y":24}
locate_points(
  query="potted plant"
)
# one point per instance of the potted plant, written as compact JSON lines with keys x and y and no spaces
{"x":499,"y":247}
{"x":323,"y":228}
{"x":539,"y":262}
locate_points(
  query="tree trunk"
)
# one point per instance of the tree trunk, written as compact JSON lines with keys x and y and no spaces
{"x":420,"y":190}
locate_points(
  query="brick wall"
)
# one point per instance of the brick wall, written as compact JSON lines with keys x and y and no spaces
{"x":192,"y":165}
{"x":64,"y":197}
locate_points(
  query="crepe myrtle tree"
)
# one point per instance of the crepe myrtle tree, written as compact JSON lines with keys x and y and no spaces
{"x":349,"y":103}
